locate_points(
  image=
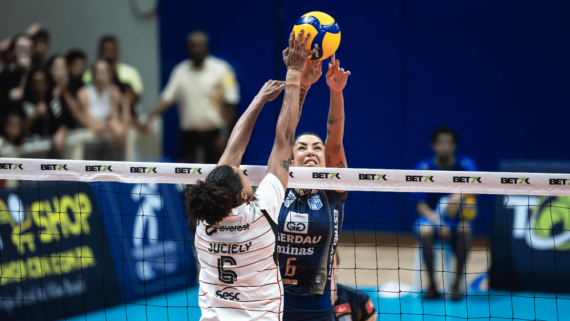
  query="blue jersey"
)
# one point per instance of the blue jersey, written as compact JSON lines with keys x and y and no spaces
{"x":308,"y":232}
{"x":352,"y":304}
{"x":462,"y":163}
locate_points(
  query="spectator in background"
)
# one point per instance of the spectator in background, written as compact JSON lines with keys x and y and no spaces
{"x":56,"y":110}
{"x":102,"y":103}
{"x":445,"y":217}
{"x":41,"y":47}
{"x":13,"y":78}
{"x":125,"y":75}
{"x":36,"y":102}
{"x":13,"y":130}
{"x":206,"y":92}
{"x":6,"y":55}
{"x":77,"y":64}
{"x":59,"y":95}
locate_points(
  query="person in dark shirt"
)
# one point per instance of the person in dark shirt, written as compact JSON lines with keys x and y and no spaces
{"x":310,"y":220}
{"x":36,"y":103}
{"x":41,"y":48}
{"x":445,"y":216}
{"x":77,"y":65}
{"x":14,"y":76}
{"x":12,"y":131}
{"x":349,"y":303}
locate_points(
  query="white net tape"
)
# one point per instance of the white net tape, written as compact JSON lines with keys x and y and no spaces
{"x":352,"y":179}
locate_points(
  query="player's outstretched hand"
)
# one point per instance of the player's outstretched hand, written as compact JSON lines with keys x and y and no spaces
{"x":336,"y":76}
{"x":295,"y":56}
{"x":271,"y":90}
{"x":312,"y":73}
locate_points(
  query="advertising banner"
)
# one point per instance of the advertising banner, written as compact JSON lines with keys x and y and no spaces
{"x":531,"y":244}
{"x":54,"y":262}
{"x":68,"y":248}
{"x":149,"y":237}
{"x":350,"y":179}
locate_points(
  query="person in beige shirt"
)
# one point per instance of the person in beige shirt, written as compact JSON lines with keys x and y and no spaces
{"x":206,"y":92}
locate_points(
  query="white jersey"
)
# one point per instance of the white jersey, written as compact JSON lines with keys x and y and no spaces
{"x":239,"y":279}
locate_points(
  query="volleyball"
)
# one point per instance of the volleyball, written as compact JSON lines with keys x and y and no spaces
{"x":325,"y":33}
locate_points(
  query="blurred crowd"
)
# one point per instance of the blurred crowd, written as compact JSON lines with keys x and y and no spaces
{"x":47,"y":96}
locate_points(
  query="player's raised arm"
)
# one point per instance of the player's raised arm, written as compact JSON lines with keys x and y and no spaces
{"x":242,"y":130}
{"x":311,"y":74}
{"x":334,"y":148}
{"x":295,"y":58}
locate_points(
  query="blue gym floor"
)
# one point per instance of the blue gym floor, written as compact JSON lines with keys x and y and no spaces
{"x":494,"y":305}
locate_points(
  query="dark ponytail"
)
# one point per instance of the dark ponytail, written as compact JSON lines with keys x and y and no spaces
{"x":213,"y":199}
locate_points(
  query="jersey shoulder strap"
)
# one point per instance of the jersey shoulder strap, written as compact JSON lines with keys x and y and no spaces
{"x":274,"y":228}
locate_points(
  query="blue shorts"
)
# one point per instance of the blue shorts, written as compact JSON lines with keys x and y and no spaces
{"x":308,"y":307}
{"x":449,"y":223}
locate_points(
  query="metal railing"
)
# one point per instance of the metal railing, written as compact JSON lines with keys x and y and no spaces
{"x":84,"y":144}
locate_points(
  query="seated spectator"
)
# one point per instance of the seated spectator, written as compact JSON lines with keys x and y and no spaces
{"x":49,"y":106}
{"x":102,"y":103}
{"x":126,"y":75}
{"x":13,"y":130}
{"x":445,"y":217}
{"x":77,"y":64}
{"x":64,"y":106}
{"x":13,"y":79}
{"x":35,"y":103}
{"x":41,"y":47}
{"x":350,"y":303}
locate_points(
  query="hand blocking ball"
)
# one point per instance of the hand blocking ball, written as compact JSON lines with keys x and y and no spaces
{"x":325,"y":33}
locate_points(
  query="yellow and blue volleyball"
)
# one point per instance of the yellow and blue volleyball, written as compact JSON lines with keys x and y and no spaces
{"x":325,"y":33}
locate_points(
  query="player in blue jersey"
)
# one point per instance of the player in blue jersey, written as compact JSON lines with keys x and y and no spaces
{"x":445,"y":216}
{"x":349,"y":303}
{"x":310,"y":220}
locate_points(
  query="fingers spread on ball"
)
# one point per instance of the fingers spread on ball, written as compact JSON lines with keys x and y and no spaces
{"x":305,"y":41}
{"x":298,"y":39}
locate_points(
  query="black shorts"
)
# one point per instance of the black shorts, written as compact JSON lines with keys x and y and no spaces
{"x":191,"y":140}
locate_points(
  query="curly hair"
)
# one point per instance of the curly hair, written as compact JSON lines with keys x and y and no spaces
{"x":213,"y":199}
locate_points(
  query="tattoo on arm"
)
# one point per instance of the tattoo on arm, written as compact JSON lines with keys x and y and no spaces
{"x":332,"y":120}
{"x":286,"y":164}
{"x":341,"y":164}
{"x":302,"y":95}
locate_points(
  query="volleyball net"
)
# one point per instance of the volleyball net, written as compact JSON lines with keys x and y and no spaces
{"x":85,"y":237}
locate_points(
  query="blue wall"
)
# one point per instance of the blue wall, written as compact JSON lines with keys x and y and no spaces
{"x":496,"y":71}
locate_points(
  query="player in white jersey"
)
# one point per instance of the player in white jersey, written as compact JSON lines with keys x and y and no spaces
{"x":235,"y":242}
